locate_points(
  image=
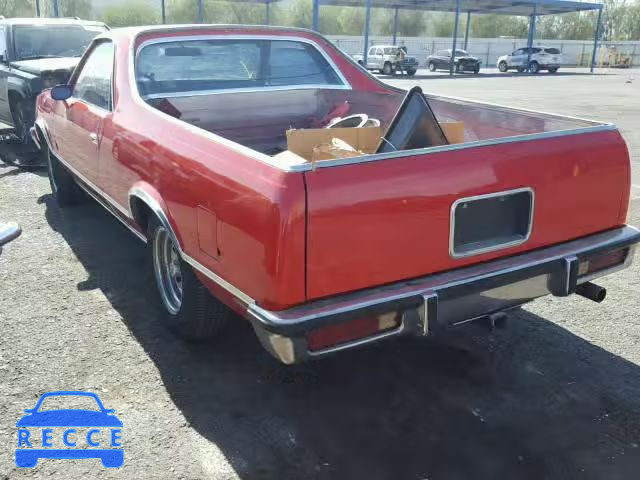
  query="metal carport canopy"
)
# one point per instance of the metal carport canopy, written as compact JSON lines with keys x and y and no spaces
{"x":529,"y":8}
{"x":502,"y":7}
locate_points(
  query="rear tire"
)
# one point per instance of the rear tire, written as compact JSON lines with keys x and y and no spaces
{"x":534,"y":67}
{"x":411,"y":72}
{"x":387,"y":69}
{"x":432,"y":67}
{"x":63,"y":186}
{"x":502,"y":66}
{"x":553,"y":69}
{"x":476,"y":70}
{"x":188,"y":307}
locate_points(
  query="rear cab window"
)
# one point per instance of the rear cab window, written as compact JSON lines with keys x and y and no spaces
{"x":188,"y":67}
{"x":552,"y":51}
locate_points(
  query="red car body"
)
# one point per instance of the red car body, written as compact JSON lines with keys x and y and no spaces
{"x":310,"y":255}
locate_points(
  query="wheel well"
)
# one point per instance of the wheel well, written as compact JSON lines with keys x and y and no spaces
{"x":141,"y":213}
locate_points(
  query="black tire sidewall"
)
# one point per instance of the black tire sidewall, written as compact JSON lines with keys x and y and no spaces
{"x":200,"y":316}
{"x":63,"y":186}
{"x":432,"y":67}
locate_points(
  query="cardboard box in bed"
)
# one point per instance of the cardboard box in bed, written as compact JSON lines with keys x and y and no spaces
{"x":303,"y":141}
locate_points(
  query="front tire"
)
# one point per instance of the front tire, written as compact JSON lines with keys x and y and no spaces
{"x":189,"y":309}
{"x":63,"y":186}
{"x":411,"y":72}
{"x":553,"y":69}
{"x":534,"y":67}
{"x":387,"y":69}
{"x":502,"y":66}
{"x":432,"y":67}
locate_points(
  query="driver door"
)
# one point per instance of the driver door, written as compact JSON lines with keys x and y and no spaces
{"x":371,"y":57}
{"x":5,"y":110}
{"x":85,"y":113}
{"x":518,"y":58}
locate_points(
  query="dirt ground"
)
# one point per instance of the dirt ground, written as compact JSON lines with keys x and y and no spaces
{"x":554,"y":395}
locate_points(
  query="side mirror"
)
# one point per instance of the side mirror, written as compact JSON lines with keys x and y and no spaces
{"x":61,"y":92}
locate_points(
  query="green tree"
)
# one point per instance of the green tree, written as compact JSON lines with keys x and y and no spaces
{"x":75,"y":8}
{"x":17,"y":8}
{"x":138,"y":12}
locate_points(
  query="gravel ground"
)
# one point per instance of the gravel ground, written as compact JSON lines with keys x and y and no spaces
{"x":556,"y":394}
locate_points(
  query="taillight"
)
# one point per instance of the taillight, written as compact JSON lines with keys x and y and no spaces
{"x":335,"y":335}
{"x":603,"y":261}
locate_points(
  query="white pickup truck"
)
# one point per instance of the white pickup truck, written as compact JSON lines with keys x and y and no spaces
{"x":388,"y":59}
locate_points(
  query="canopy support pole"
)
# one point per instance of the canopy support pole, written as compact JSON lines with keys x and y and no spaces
{"x":595,"y":39}
{"x":395,"y":26}
{"x":267,"y":13}
{"x":56,"y":12}
{"x":531,"y":36}
{"x":316,"y":14}
{"x":200,"y":12}
{"x":455,"y":38}
{"x":367,"y":20}
{"x":466,"y":31}
{"x":164,"y":12}
{"x":37,"y":8}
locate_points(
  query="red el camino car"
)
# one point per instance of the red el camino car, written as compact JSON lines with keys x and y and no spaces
{"x":176,"y":131}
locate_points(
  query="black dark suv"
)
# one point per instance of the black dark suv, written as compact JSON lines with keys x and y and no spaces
{"x":35,"y":53}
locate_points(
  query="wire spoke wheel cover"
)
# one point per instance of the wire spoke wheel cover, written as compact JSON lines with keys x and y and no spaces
{"x":168,"y":270}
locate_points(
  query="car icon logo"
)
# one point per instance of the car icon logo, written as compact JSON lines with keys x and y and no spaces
{"x":102,"y":428}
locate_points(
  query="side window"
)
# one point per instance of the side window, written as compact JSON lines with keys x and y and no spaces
{"x":372,"y":51}
{"x":520,"y":51}
{"x":535,"y":50}
{"x":3,"y":40}
{"x":93,"y":84}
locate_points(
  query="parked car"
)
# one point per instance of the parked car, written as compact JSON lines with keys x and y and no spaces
{"x":337,"y":253}
{"x":389,"y":59}
{"x":542,"y":58}
{"x":463,"y":61}
{"x":8,"y":232}
{"x":35,"y":53}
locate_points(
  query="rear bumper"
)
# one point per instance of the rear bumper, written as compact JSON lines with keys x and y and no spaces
{"x":445,"y":299}
{"x":8,"y":232}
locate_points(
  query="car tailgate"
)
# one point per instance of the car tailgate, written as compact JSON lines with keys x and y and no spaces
{"x":377,"y":222}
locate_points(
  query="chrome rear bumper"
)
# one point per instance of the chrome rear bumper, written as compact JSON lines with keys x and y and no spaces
{"x":444,"y":299}
{"x":8,"y":232}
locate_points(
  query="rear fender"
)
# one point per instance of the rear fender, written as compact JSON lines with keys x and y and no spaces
{"x":143,"y":194}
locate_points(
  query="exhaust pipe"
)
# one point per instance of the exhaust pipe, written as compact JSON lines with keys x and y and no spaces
{"x":592,"y":292}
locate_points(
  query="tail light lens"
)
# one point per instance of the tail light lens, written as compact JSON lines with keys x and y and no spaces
{"x":334,"y":335}
{"x":603,"y":261}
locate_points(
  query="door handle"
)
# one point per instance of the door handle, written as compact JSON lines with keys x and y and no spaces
{"x":94,"y":138}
